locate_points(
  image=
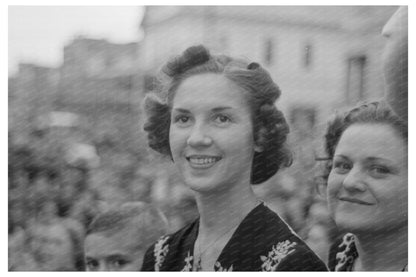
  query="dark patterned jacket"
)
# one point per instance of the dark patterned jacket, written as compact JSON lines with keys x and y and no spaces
{"x":262,"y":242}
{"x":343,"y":254}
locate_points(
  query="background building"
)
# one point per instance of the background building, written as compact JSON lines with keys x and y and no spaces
{"x":100,"y":79}
{"x":322,"y":57}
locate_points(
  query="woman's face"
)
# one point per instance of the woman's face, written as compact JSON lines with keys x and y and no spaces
{"x":211,"y":133}
{"x":367,"y":186}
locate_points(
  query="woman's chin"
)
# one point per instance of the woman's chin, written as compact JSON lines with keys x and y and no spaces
{"x":203,"y":184}
{"x":201,"y":187}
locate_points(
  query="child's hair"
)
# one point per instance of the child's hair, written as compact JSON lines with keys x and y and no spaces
{"x":143,"y":219}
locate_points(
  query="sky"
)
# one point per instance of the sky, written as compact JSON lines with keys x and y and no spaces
{"x":37,"y":34}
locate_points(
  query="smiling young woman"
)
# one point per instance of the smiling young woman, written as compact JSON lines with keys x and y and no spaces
{"x":211,"y":134}
{"x":216,"y":118}
{"x":367,"y":189}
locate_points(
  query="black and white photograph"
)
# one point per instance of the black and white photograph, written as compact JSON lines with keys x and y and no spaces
{"x":207,"y":138}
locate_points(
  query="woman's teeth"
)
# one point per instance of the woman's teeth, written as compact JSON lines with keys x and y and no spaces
{"x":203,"y":161}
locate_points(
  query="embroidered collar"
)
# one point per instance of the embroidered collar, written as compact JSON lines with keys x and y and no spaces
{"x":347,"y":254}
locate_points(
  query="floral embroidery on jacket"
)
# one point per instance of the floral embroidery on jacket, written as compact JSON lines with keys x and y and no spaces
{"x":160,"y":252}
{"x":218,"y":267}
{"x":276,"y":255}
{"x":188,"y":262}
{"x":346,"y":257}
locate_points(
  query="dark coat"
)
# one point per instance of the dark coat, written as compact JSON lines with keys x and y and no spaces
{"x":262,"y":242}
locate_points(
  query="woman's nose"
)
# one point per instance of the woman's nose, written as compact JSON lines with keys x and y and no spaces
{"x":355,"y":180}
{"x":199,"y":137}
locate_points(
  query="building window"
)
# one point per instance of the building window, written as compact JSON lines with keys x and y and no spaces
{"x":302,"y":128}
{"x":307,"y":55}
{"x":302,"y":119}
{"x":355,"y":79}
{"x":268,"y":51}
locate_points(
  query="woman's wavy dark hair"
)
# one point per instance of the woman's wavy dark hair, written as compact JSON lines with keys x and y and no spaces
{"x":270,"y":126}
{"x":374,"y":112}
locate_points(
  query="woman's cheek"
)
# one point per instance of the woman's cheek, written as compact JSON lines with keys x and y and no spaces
{"x":177,"y":141}
{"x":334,"y":184}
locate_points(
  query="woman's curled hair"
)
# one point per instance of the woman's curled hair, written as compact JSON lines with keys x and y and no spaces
{"x":374,"y":112}
{"x":270,"y":127}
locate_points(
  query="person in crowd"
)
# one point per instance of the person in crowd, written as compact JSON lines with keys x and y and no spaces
{"x":47,"y":210}
{"x":215,"y":117}
{"x":54,"y":242}
{"x":395,"y":61}
{"x":367,"y":189}
{"x":117,"y":238}
{"x":53,"y":247}
{"x":20,"y":259}
{"x":85,"y":207}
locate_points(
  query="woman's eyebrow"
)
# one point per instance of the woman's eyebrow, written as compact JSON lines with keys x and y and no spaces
{"x":378,"y":159}
{"x":216,"y":109}
{"x":220,"y":109}
{"x":180,"y":110}
{"x":341,"y":156}
{"x":116,"y":256}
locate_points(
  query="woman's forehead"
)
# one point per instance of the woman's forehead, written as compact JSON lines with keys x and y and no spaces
{"x":375,"y":140}
{"x":209,"y":91}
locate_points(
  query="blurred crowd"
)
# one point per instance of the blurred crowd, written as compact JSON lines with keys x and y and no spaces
{"x":53,"y":197}
{"x":50,"y":204}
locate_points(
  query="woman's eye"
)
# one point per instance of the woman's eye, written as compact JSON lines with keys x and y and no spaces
{"x":118,"y":263}
{"x":379,"y":171}
{"x":182,"y":119}
{"x":221,"y":119}
{"x":342,"y":167}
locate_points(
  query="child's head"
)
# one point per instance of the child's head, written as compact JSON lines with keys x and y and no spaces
{"x":117,"y":239}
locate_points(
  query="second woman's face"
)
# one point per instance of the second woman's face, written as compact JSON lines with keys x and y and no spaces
{"x":367,"y":186}
{"x":211,"y":133}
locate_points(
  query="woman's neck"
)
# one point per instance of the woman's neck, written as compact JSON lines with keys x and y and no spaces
{"x":386,"y":251}
{"x":222,"y":210}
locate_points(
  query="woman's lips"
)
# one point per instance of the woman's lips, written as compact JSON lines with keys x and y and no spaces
{"x":202,"y":161}
{"x":355,"y":200}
